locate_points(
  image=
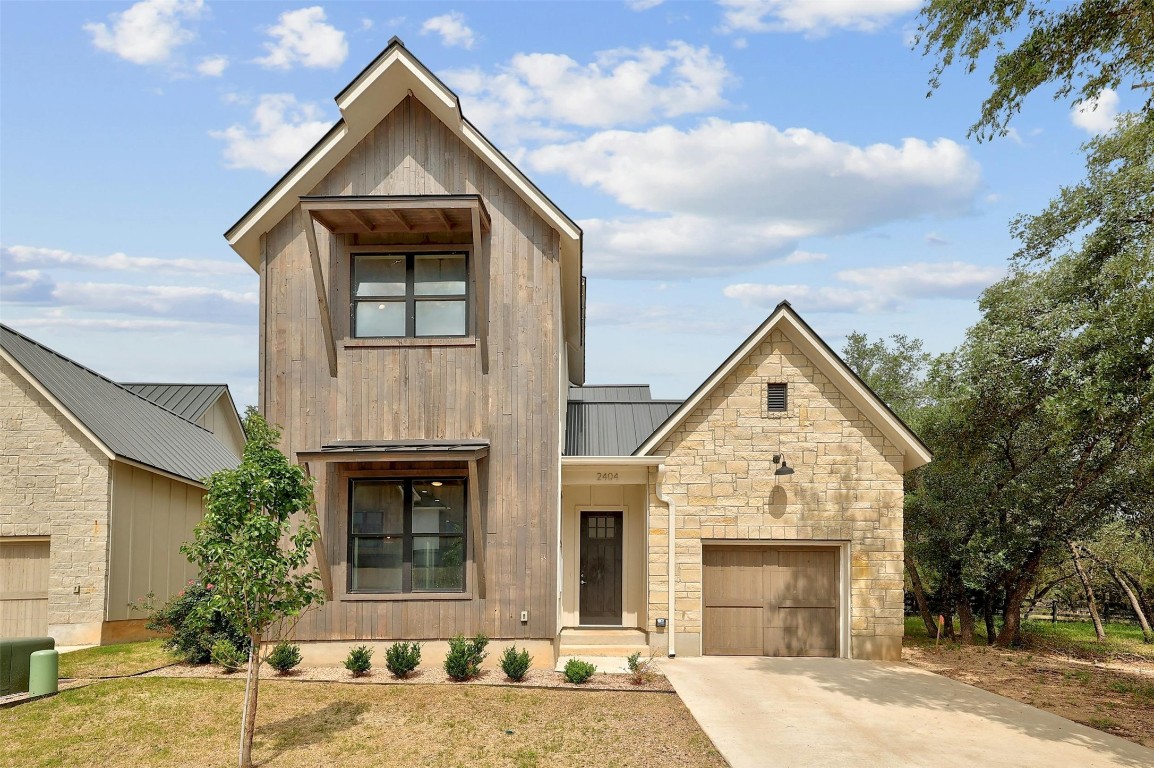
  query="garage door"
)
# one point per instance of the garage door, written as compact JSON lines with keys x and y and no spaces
{"x":770,"y":601}
{"x":23,"y":587}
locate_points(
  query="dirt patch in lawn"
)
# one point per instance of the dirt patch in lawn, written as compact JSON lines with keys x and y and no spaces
{"x":1113,"y":696}
{"x":153,"y":721}
{"x":535,"y":678}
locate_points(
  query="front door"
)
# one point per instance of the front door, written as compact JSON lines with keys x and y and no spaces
{"x":601,"y":568}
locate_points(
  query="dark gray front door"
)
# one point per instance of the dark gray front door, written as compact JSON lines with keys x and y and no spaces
{"x":600,"y":567}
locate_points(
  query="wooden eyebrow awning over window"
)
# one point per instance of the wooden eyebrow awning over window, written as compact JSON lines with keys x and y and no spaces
{"x":470,"y":452}
{"x":396,"y":214}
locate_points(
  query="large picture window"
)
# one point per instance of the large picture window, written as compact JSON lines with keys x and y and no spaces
{"x":409,"y":295}
{"x":407,"y":535}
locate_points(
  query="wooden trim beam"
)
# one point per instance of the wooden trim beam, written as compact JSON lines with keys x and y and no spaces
{"x":440,"y":214}
{"x":480,"y":273}
{"x":400,"y":219}
{"x":322,"y":291}
{"x":364,"y":221}
{"x":398,"y":203}
{"x":476,"y":510}
{"x":319,"y":546}
{"x":351,"y":457}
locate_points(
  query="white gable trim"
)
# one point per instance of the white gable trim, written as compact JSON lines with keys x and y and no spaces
{"x":914,"y":451}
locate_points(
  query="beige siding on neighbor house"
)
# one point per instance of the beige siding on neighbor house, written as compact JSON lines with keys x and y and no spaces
{"x":54,"y":483}
{"x":220,"y":419}
{"x":847,"y":488}
{"x":23,"y":586}
{"x":152,"y":516}
{"x":429,"y":391}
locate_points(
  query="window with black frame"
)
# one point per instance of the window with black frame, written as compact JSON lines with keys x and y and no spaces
{"x":409,"y":295}
{"x":407,"y":535}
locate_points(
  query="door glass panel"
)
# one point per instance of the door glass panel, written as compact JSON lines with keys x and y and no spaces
{"x":379,"y":276}
{"x":440,"y":318}
{"x":377,"y":563}
{"x":378,"y":508}
{"x":385,"y":318}
{"x":438,"y":563}
{"x":439,"y":275}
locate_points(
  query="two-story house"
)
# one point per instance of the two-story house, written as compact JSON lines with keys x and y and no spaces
{"x":422,"y":346}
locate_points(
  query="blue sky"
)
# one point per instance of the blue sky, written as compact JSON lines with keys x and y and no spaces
{"x":719,"y":156}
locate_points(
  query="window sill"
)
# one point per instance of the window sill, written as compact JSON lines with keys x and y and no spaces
{"x":430,"y":341}
{"x":356,"y":597}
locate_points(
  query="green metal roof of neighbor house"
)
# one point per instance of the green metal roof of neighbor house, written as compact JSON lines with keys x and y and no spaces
{"x":188,"y":401}
{"x":612,"y":420}
{"x":128,"y":425}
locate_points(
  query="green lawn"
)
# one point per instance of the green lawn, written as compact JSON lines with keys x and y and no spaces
{"x":115,"y":660}
{"x":178,"y":721}
{"x":1075,"y":638}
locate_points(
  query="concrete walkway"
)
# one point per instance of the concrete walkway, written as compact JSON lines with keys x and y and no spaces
{"x":833,"y":712}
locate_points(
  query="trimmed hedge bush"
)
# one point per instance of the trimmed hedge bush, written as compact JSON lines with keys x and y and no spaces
{"x":515,"y":663}
{"x":359,"y":661}
{"x":465,"y":656}
{"x":578,"y":671}
{"x":403,"y":658}
{"x":284,"y":656}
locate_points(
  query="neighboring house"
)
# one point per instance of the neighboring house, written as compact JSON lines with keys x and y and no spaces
{"x":422,"y":345}
{"x":100,"y":484}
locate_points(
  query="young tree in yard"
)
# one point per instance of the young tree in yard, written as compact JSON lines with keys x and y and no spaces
{"x":249,"y":551}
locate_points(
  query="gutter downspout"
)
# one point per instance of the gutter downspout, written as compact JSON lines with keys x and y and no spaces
{"x":672,"y":554}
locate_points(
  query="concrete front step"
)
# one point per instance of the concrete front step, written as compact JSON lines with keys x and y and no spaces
{"x":602,"y":642}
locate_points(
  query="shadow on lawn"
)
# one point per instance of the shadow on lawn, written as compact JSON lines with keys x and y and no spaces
{"x":306,"y":729}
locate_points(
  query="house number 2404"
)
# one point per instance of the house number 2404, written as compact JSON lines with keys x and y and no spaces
{"x":607,"y":476}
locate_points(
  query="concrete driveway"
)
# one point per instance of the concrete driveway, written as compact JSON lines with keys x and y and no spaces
{"x":833,"y":712}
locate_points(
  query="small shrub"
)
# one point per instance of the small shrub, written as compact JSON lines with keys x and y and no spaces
{"x":192,"y":626}
{"x":640,"y":671}
{"x":465,"y":656}
{"x":284,"y":656}
{"x":515,"y":663}
{"x":359,"y":661}
{"x":228,"y":656}
{"x":403,"y":658}
{"x":578,"y":671}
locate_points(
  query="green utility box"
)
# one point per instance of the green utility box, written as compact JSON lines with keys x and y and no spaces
{"x":44,"y":673}
{"x":15,"y":660}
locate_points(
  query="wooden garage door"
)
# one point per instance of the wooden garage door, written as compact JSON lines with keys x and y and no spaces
{"x":23,"y":587}
{"x":770,"y":601}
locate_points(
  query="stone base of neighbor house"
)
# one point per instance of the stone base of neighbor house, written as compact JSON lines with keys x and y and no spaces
{"x":86,"y":633}
{"x":433,"y":652}
{"x":128,"y":631}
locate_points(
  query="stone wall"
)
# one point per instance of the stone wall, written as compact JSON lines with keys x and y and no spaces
{"x":847,"y":487}
{"x":54,"y":482}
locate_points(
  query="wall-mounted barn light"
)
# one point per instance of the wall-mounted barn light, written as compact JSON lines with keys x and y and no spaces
{"x":784,"y":469}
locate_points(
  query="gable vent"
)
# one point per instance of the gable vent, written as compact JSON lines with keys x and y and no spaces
{"x":776,"y":397}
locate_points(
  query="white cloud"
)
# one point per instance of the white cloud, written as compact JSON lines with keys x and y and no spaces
{"x":936,"y":239}
{"x":725,"y":195}
{"x":542,"y":95}
{"x":804,"y":257}
{"x":32,"y":257}
{"x":212,"y":66}
{"x":366,"y":24}
{"x":172,"y":301}
{"x":663,"y":318}
{"x":282,"y":130}
{"x":642,"y":5}
{"x":302,"y":37}
{"x":1096,"y":115}
{"x":812,"y":17}
{"x":148,"y":32}
{"x":452,"y":28}
{"x":874,"y":289}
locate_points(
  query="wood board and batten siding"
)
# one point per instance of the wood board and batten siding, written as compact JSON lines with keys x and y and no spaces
{"x":400,"y":391}
{"x":24,"y":586}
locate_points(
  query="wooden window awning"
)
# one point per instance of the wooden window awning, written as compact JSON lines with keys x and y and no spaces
{"x":396,"y":214}
{"x":470,"y":452}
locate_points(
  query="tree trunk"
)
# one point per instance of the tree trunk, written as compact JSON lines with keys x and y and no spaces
{"x":248,"y":724}
{"x":965,"y":617}
{"x":1016,"y":592}
{"x":988,"y":615}
{"x":920,"y":596}
{"x":1088,"y":589}
{"x":1147,"y":635}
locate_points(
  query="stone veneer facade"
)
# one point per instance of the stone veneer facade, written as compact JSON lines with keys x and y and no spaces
{"x":54,"y":482}
{"x":847,"y":487}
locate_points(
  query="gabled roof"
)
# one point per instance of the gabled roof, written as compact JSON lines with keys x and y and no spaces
{"x":607,"y":428}
{"x":363,"y":103}
{"x":188,"y":401}
{"x":121,"y":423}
{"x":784,"y":318}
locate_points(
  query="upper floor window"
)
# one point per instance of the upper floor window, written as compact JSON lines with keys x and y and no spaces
{"x":414,"y":295}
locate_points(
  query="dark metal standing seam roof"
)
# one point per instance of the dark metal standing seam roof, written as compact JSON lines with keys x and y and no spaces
{"x":188,"y":401}
{"x":128,"y":424}
{"x":613,"y":428}
{"x":611,"y":393}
